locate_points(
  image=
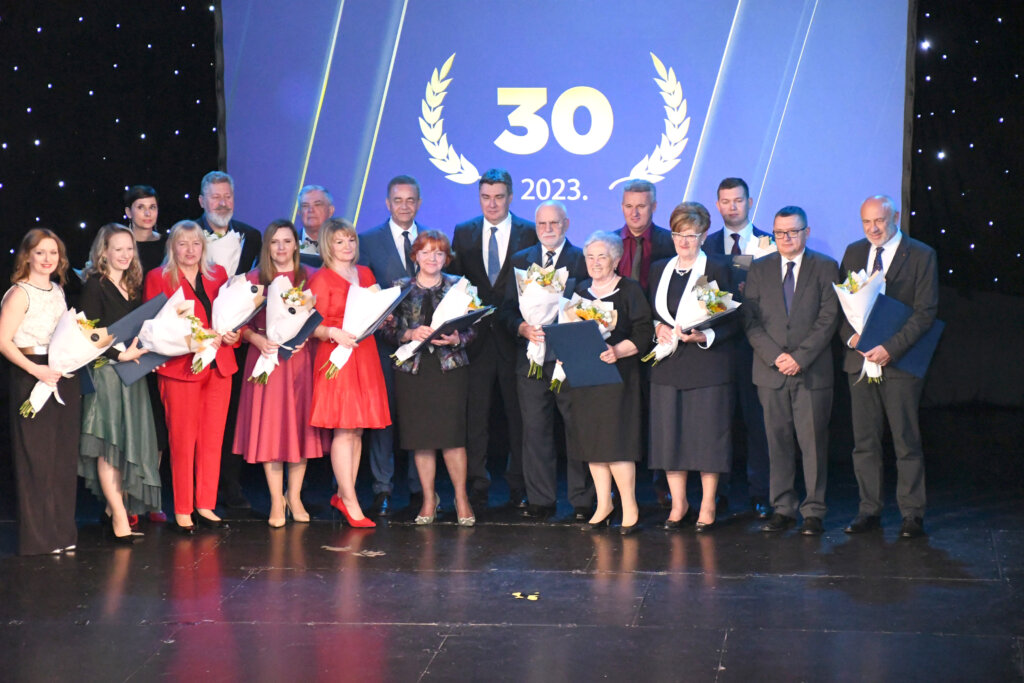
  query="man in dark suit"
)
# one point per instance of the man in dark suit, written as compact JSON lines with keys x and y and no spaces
{"x":643,"y":242}
{"x":386,"y":250}
{"x":316,"y":207}
{"x":483,"y":249}
{"x":536,"y":400}
{"x":734,"y":204}
{"x":790,"y":314}
{"x":911,"y":277}
{"x":217,"y":197}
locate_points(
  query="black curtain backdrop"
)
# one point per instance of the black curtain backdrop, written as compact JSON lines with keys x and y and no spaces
{"x":96,"y":96}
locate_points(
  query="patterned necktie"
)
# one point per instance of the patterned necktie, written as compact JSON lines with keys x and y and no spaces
{"x":878,"y":261}
{"x":493,"y":264}
{"x":788,"y":285}
{"x":550,"y":258}
{"x":638,"y":255}
{"x":735,"y":244}
{"x":410,"y":266}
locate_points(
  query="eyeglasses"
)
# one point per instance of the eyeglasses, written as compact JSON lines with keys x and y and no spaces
{"x":791,"y":234}
{"x":685,"y":238}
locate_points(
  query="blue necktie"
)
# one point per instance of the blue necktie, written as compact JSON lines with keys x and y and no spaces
{"x":550,"y":258}
{"x":878,"y":261}
{"x":493,"y":264}
{"x":788,"y":285}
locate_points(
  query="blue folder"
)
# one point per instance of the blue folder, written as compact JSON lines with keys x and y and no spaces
{"x":126,"y":329}
{"x":887,"y":317}
{"x":579,"y":346}
{"x":283,"y":353}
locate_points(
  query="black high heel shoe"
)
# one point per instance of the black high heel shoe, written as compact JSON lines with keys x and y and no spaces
{"x":675,"y":524}
{"x":629,"y":530}
{"x":206,"y":522}
{"x":603,"y":523}
{"x":702,"y":528}
{"x":132,"y":538}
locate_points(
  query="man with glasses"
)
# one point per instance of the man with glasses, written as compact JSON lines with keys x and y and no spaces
{"x":537,"y":401}
{"x":911,"y":277}
{"x":387,"y":251}
{"x":790,"y":314}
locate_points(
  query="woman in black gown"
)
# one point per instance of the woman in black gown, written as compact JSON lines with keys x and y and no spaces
{"x":605,"y":420}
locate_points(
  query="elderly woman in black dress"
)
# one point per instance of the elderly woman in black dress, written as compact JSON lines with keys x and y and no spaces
{"x":605,"y":420}
{"x":432,"y":387}
{"x":691,"y":390}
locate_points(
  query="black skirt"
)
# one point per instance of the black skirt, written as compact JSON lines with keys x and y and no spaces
{"x":431,"y":406}
{"x":691,"y":429}
{"x":45,"y":454}
{"x":604,"y":424}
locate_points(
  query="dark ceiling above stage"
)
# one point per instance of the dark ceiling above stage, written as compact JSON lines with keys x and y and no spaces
{"x":124,"y":93}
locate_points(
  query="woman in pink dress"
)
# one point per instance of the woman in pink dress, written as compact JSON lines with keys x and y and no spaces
{"x":273,"y":418}
{"x":355,"y":398}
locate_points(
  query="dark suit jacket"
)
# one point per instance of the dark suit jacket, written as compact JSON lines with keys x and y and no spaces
{"x":912,"y":279}
{"x":715,"y":244}
{"x":377,"y":251}
{"x":806,"y":333}
{"x":691,"y":367}
{"x":509,"y":316}
{"x":252,"y":242}
{"x":467,"y":243}
{"x":662,"y":247}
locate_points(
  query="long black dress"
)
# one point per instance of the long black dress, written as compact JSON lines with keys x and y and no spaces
{"x":605,"y":420}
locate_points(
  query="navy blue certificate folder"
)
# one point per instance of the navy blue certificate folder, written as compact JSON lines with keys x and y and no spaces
{"x":887,"y":317}
{"x":579,"y":346}
{"x":463,"y":322}
{"x":284,"y":353}
{"x":126,"y":329}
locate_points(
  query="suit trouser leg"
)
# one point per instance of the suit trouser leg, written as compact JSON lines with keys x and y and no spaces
{"x":540,"y":466}
{"x":779,"y":428}
{"x":812,"y":409}
{"x":901,"y":398}
{"x":230,"y":474}
{"x":180,"y":399}
{"x":507,"y":383}
{"x":382,"y":441}
{"x":579,"y":483}
{"x":757,"y":441}
{"x":867,"y":418}
{"x":483,"y":370}
{"x":213,"y":401}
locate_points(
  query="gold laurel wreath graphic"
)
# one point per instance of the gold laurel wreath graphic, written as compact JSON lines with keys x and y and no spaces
{"x":665,"y":156}
{"x":455,"y":166}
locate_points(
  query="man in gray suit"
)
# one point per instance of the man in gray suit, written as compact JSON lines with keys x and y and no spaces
{"x":385,"y":250}
{"x":790,"y":313}
{"x":911,"y":277}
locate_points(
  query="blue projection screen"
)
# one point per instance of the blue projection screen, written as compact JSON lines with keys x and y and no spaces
{"x":804,"y":99}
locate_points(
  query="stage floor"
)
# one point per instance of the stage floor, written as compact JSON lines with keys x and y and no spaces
{"x":509,"y":600}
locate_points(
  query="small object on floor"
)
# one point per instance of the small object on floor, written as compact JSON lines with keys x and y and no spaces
{"x":519,"y":595}
{"x":158,"y":516}
{"x":778,"y":522}
{"x":538,"y":512}
{"x":913,"y":527}
{"x":381,"y":505}
{"x":812,"y":526}
{"x":517,"y":499}
{"x":864,"y":523}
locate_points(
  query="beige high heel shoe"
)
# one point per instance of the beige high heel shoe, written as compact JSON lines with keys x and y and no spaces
{"x":278,"y":522}
{"x":303,"y":519}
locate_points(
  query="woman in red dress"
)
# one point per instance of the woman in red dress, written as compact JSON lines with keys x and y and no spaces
{"x":273,"y":418}
{"x":355,"y":398}
{"x":196,"y":403}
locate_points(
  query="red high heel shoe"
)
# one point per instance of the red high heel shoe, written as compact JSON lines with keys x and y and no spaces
{"x":363,"y":523}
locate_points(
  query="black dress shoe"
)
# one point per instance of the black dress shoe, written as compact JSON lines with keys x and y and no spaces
{"x":381,"y":505}
{"x":864,"y":523}
{"x":688,"y":518}
{"x":703,"y":528}
{"x":812,"y":526}
{"x":582,"y":514}
{"x":629,"y":530}
{"x":913,"y":527}
{"x":207,"y":523}
{"x":538,"y":512}
{"x":517,"y":499}
{"x":778,"y":522}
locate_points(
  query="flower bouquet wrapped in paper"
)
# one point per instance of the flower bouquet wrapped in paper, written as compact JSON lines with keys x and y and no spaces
{"x":760,"y":246}
{"x":576,"y":310}
{"x":456,"y":302}
{"x":363,"y":309}
{"x":288,"y":309}
{"x":175,"y":330}
{"x":76,"y":341}
{"x":698,"y":306}
{"x":540,"y":290}
{"x":225,"y":250}
{"x":236,"y":302}
{"x":857,"y":295}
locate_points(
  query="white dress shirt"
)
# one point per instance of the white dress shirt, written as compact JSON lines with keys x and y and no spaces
{"x":888,"y":253}
{"x":503,"y":235}
{"x":396,"y":234}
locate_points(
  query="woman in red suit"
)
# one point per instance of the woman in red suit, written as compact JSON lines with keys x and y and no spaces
{"x":196,"y":404}
{"x":354,"y":399}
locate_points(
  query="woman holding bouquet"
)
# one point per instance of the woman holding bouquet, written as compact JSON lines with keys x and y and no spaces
{"x":605,"y":420}
{"x":45,"y":475}
{"x":196,"y":403}
{"x":691,"y":390}
{"x":273,"y":418}
{"x":355,"y":398}
{"x":118,"y":458}
{"x":432,"y":387}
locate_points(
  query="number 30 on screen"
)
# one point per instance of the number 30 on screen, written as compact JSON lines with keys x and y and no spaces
{"x":527,"y":101}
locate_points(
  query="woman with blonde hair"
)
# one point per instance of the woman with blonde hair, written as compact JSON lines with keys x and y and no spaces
{"x":196,"y":404}
{"x":118,"y":456}
{"x":44,"y":474}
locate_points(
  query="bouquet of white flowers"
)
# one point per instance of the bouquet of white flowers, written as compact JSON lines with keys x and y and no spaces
{"x":857,"y":295}
{"x":363,"y":308}
{"x":236,"y":302}
{"x":225,"y":250}
{"x":288,"y":309}
{"x":540,"y":290}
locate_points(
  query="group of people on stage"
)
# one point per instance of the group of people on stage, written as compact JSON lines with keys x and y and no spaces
{"x":772,"y":361}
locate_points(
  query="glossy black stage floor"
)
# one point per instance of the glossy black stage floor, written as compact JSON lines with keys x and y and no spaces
{"x":510,"y":600}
